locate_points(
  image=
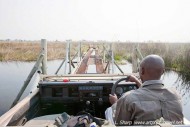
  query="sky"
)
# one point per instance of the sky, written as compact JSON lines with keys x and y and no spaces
{"x":111,"y":20}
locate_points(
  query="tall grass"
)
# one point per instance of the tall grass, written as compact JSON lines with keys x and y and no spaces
{"x":175,"y":55}
{"x":29,"y":51}
{"x":19,"y":51}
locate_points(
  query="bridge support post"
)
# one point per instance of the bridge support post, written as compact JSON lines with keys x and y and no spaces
{"x":67,"y":57}
{"x":69,"y":54}
{"x":112,"y":57}
{"x":104,"y":53}
{"x":44,"y":51}
{"x":79,"y":52}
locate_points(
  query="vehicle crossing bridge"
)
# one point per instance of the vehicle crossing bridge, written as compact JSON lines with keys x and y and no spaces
{"x":87,"y":81}
{"x":91,"y":62}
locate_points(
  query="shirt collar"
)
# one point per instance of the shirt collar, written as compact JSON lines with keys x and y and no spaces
{"x":152,"y":82}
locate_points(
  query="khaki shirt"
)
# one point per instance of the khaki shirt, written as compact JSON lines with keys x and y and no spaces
{"x":147,"y":104}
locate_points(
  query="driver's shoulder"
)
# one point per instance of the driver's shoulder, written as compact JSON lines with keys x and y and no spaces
{"x":132,"y":95}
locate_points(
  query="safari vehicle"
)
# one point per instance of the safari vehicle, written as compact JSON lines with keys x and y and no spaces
{"x":80,"y":93}
{"x":70,"y":93}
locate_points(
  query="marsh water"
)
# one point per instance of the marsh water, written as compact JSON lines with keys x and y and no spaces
{"x":13,"y":75}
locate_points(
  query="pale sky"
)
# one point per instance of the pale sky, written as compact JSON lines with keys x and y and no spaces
{"x":133,"y":20}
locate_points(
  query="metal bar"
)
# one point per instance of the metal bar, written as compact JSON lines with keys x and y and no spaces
{"x":69,"y":58}
{"x":106,"y":67}
{"x":84,"y":75}
{"x":44,"y":50}
{"x":118,"y":67}
{"x":88,"y":77}
{"x":74,"y":56}
{"x":66,"y":58}
{"x":34,"y":69}
{"x":103,"y":54}
{"x":134,"y":60}
{"x":60,"y":66}
{"x":115,"y":63}
{"x":139,"y":53}
{"x":109,"y":59}
{"x":79,"y":52}
{"x":72,"y":64}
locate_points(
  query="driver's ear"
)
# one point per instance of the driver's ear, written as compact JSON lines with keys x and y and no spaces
{"x":163,"y":71}
{"x":142,"y":71}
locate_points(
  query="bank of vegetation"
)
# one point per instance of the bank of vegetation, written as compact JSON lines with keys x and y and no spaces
{"x":176,"y":55}
{"x":29,"y":51}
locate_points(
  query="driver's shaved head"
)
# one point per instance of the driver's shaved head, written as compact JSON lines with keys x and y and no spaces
{"x":151,"y":67}
{"x":153,"y":61}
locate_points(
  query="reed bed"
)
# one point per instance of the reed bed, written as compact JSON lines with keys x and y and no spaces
{"x":29,"y":51}
{"x":176,"y":55}
{"x":19,"y":51}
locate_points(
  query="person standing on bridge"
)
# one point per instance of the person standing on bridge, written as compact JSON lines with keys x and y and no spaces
{"x":151,"y":101}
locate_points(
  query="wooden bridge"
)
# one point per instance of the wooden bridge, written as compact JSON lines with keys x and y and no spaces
{"x":91,"y":63}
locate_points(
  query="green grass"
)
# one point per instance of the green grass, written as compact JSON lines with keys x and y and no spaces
{"x":117,"y":57}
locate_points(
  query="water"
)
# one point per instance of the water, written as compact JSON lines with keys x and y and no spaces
{"x":13,"y":75}
{"x":172,"y":80}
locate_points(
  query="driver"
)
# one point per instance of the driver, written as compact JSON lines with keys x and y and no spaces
{"x":151,"y":101}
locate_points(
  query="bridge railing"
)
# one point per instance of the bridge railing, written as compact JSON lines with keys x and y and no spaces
{"x":40,"y":63}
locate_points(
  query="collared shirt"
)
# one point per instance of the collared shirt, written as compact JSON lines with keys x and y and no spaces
{"x":149,"y":103}
{"x":150,"y":82}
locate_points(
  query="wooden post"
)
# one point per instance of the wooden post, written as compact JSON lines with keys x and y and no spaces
{"x":44,"y":51}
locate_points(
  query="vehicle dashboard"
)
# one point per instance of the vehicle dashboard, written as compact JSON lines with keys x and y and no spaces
{"x":81,"y":91}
